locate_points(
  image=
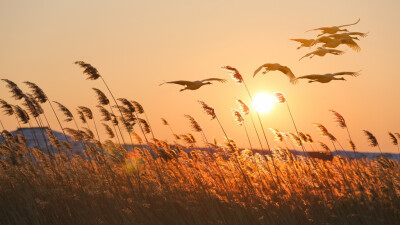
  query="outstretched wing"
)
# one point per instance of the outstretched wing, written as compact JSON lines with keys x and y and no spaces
{"x":303,"y":41}
{"x":277,"y":66}
{"x":214,"y":79}
{"x":352,"y":44}
{"x":335,"y":51}
{"x":354,"y":74}
{"x":320,"y":28}
{"x":260,"y":68}
{"x":180,"y":82}
{"x":286,"y":70}
{"x":323,"y":39}
{"x":311,"y":76}
{"x":350,"y":24}
{"x":359,"y":34}
{"x":306,"y":55}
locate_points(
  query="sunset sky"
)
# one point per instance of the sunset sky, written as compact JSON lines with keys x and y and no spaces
{"x":136,"y":45}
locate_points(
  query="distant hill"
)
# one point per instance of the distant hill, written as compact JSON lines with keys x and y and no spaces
{"x":36,"y":137}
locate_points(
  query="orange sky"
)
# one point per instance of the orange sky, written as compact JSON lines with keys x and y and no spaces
{"x":138,"y":44}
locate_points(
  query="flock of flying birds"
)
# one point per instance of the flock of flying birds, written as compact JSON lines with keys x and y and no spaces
{"x":330,"y":38}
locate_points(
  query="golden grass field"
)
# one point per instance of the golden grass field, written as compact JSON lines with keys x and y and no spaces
{"x":225,"y":186}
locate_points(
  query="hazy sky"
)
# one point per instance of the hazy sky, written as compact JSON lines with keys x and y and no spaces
{"x":136,"y":45}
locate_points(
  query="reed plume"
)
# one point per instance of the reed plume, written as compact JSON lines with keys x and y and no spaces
{"x":127,"y":104}
{"x":277,"y":134}
{"x":90,"y":71}
{"x":138,"y":107}
{"x":21,"y":114}
{"x":303,"y":137}
{"x":104,"y":112}
{"x":109,"y":131}
{"x":53,"y":140}
{"x":324,"y":132}
{"x":240,"y":121}
{"x":244,"y":108}
{"x":339,"y":119}
{"x":75,"y":134}
{"x":37,"y":92}
{"x":192,"y":138}
{"x":238,"y":117}
{"x":23,"y":117}
{"x":140,"y":110}
{"x":81,"y":116}
{"x":107,"y":116}
{"x":236,"y":76}
{"x":146,"y":127}
{"x":89,"y":133}
{"x":371,"y":138}
{"x":208,"y":110}
{"x":87,"y":112}
{"x":296,"y":140}
{"x":393,"y":138}
{"x":193,"y":123}
{"x":373,"y":142}
{"x":331,"y":137}
{"x":211,"y":112}
{"x":32,"y":106}
{"x":164,"y":122}
{"x":137,"y":137}
{"x":114,"y":119}
{"x":309,"y":139}
{"x":322,"y":129}
{"x":279,"y":97}
{"x":324,"y":146}
{"x":188,"y":140}
{"x":395,"y":141}
{"x":65,"y":111}
{"x":128,"y":115}
{"x":101,"y":97}
{"x":16,"y":92}
{"x":352,"y":146}
{"x":7,"y":108}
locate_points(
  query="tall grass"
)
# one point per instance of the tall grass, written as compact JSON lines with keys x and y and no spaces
{"x":167,"y":183}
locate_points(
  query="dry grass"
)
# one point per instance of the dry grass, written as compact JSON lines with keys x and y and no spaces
{"x":223,"y":187}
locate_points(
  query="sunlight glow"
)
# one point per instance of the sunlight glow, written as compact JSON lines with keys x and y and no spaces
{"x":263,"y":102}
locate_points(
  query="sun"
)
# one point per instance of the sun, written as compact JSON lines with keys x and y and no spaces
{"x":263,"y":102}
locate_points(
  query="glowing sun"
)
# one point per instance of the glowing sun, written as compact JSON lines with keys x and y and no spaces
{"x":263,"y":102}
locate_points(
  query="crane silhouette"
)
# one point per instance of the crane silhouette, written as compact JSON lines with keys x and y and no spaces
{"x":194,"y":85}
{"x":333,"y":43}
{"x":277,"y":67}
{"x":322,"y":52}
{"x":333,"y":29}
{"x":326,"y":78}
